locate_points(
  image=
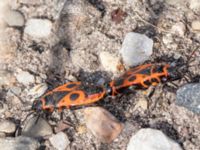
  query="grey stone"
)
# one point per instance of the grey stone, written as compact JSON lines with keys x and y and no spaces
{"x":136,"y":48}
{"x":38,"y":28}
{"x":3,"y":107}
{"x":194,"y":5}
{"x":59,"y":141}
{"x":179,"y":28}
{"x":7,"y":126}
{"x":176,"y":3}
{"x":16,"y":90}
{"x":6,"y":78}
{"x":109,"y":61}
{"x":25,"y":78}
{"x":18,"y":143}
{"x":38,"y":90}
{"x":196,"y":25}
{"x":32,"y":2}
{"x":14,"y":18}
{"x":188,"y":96}
{"x":37,"y":128}
{"x":151,"y":139}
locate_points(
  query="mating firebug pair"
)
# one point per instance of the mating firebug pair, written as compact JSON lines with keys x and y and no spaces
{"x":79,"y":93}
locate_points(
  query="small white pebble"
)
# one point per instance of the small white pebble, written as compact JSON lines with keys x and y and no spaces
{"x":59,"y":141}
{"x":196,"y":25}
{"x":25,"y":78}
{"x":109,"y":61}
{"x":39,"y":28}
{"x":151,"y":139}
{"x":14,"y":18}
{"x":179,"y":28}
{"x":194,"y":5}
{"x":38,"y":90}
{"x":7,"y":126}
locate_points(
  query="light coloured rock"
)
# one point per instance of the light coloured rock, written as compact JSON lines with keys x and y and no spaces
{"x":136,"y":48}
{"x":102,"y":124}
{"x":6,"y":78}
{"x":16,"y":90}
{"x":83,"y":60}
{"x":3,"y":107}
{"x":3,"y":8}
{"x":32,"y":2}
{"x":25,"y":77}
{"x":151,"y":139}
{"x":196,"y":25}
{"x":81,"y":129}
{"x":142,"y":104}
{"x":14,"y":18}
{"x":179,"y":28}
{"x":167,"y":39}
{"x":61,"y":126}
{"x":7,"y":52}
{"x":176,"y":3}
{"x":194,"y":5}
{"x":77,"y":14}
{"x":16,"y":102}
{"x":3,"y":4}
{"x":109,"y":61}
{"x":38,"y":28}
{"x":7,"y":114}
{"x":18,"y":143}
{"x":9,"y":39}
{"x":38,"y":90}
{"x":37,"y":129}
{"x":2,"y":135}
{"x":59,"y":141}
{"x":7,"y":126}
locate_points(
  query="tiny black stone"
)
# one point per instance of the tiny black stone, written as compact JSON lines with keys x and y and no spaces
{"x":74,"y":96}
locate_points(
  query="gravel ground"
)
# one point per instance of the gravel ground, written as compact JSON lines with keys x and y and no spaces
{"x":81,"y":30}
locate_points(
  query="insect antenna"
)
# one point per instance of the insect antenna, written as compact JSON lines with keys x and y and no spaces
{"x":189,"y":58}
{"x":182,"y":71}
{"x":185,"y":66}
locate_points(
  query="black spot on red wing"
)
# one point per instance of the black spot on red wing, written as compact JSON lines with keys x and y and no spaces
{"x":119,"y":82}
{"x":49,"y":100}
{"x":159,"y":69}
{"x":71,"y":85}
{"x":132,"y":78}
{"x":147,"y":82}
{"x":74,"y":96}
{"x":154,"y":80}
{"x":146,"y":71}
{"x":55,"y":97}
{"x":91,"y":89}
